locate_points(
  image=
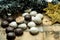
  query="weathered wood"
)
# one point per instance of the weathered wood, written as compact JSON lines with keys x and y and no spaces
{"x":46,"y":33}
{"x":25,"y":36}
{"x":52,"y":35}
{"x":55,"y":27}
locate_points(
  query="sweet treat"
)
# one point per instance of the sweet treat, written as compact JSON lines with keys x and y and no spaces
{"x":34,"y":31}
{"x":4,"y":24}
{"x":13,"y":24}
{"x":31,"y":24}
{"x":9,"y":29}
{"x":18,"y":31}
{"x":25,"y":14}
{"x":23,"y":26}
{"x":33,"y":13}
{"x":11,"y":36}
{"x":27,"y":17}
{"x":10,"y":19}
{"x":28,"y":10}
{"x":48,"y":0}
{"x":20,"y":19}
{"x":39,"y":15}
{"x":37,"y":20}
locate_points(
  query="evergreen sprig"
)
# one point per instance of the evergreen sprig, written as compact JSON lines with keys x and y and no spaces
{"x":15,"y":6}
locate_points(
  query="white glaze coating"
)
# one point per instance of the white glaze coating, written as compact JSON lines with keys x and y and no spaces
{"x":23,"y":26}
{"x":13,"y":24}
{"x":31,"y":24}
{"x":28,"y":10}
{"x":36,"y":20}
{"x":39,"y":15}
{"x":34,"y":30}
{"x":33,"y":13}
{"x":48,"y":0}
{"x":25,"y":14}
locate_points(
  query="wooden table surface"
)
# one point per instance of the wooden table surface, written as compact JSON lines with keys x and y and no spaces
{"x":47,"y":33}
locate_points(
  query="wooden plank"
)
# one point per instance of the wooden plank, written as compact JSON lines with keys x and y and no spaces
{"x":55,"y":27}
{"x":46,"y":33}
{"x":52,"y":36}
{"x":25,"y":36}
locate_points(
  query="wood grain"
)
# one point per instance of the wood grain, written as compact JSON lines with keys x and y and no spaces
{"x":52,"y":36}
{"x":46,"y":33}
{"x":25,"y":36}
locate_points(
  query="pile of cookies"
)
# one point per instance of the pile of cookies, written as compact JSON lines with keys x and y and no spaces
{"x":30,"y":19}
{"x":16,"y":27}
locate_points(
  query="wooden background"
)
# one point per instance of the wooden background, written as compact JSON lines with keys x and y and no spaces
{"x":47,"y":33}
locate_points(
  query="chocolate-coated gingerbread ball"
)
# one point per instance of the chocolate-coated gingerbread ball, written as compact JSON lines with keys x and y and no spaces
{"x":27,"y":17}
{"x":11,"y":36}
{"x":10,"y":19}
{"x":18,"y":31}
{"x":9,"y":29}
{"x":4,"y":24}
